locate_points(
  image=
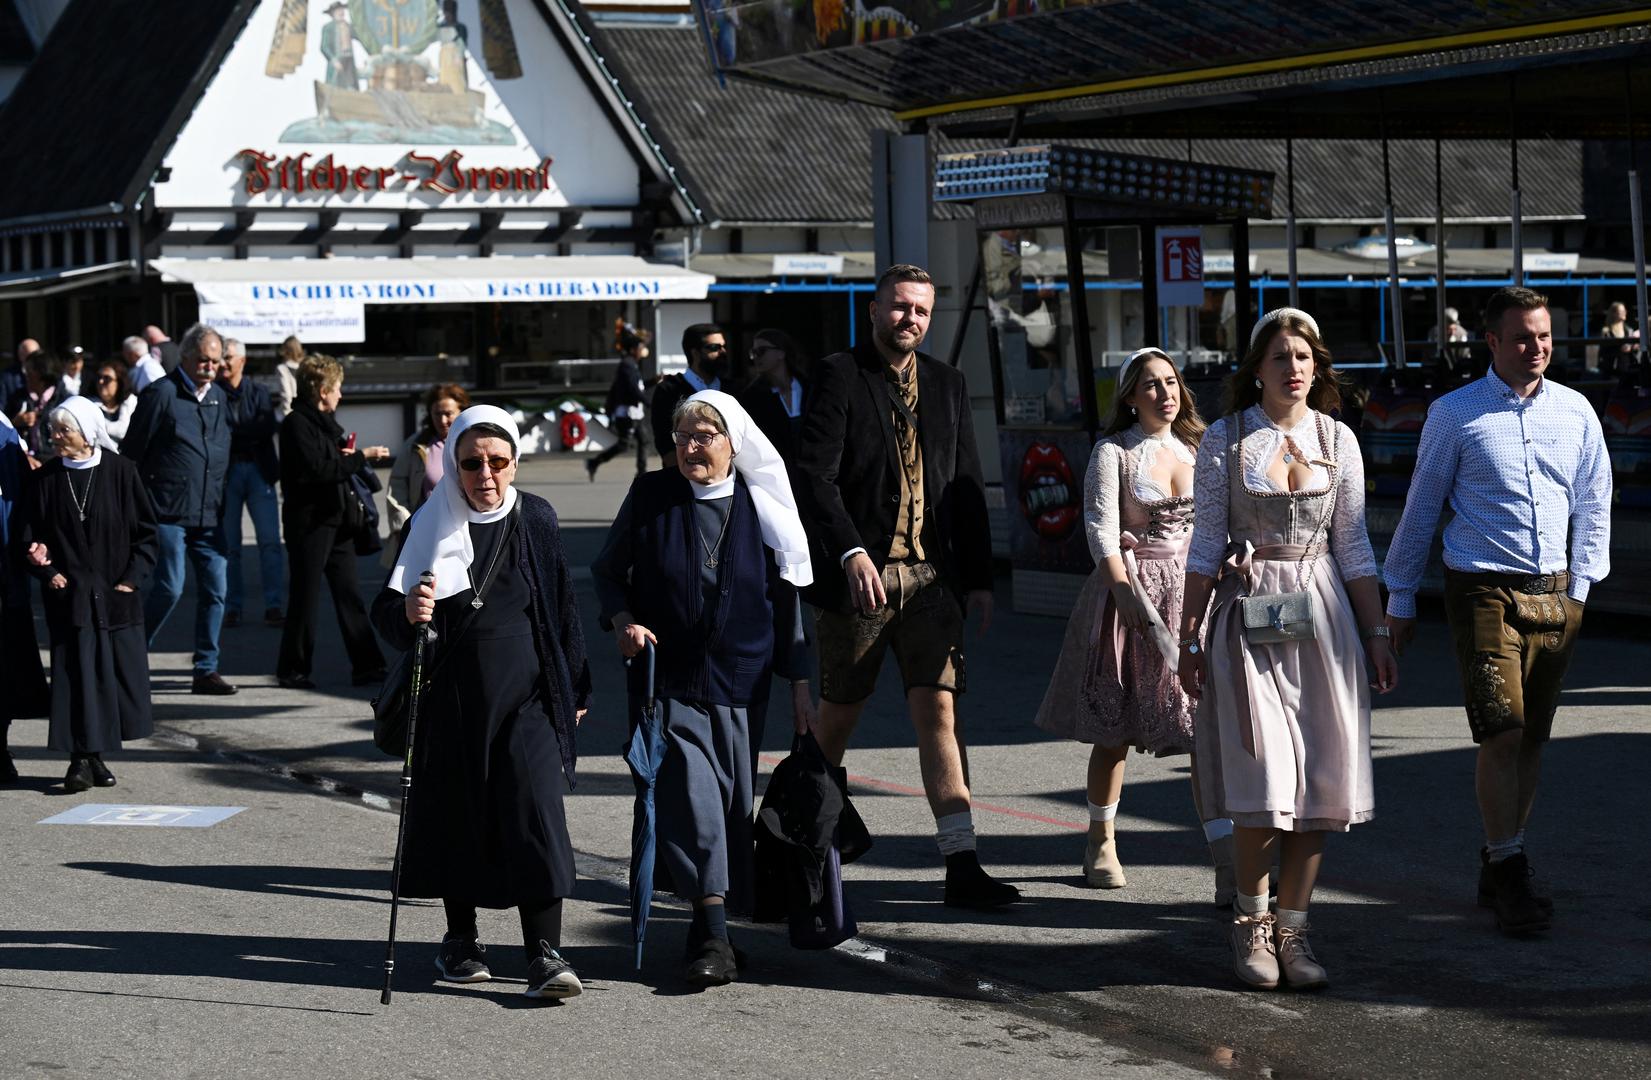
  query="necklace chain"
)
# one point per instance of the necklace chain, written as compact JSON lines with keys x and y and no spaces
{"x":710,"y":550}
{"x":82,"y":503}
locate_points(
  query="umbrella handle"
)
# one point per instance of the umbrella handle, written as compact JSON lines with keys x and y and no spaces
{"x":647,"y":656}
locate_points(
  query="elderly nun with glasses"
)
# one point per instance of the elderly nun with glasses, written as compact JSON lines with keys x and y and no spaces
{"x":506,"y":685}
{"x":89,"y":513}
{"x":704,"y":561}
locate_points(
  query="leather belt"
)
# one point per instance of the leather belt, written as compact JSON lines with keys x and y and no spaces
{"x":1529,"y":584}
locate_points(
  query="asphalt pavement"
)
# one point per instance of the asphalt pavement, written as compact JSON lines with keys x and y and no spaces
{"x":254,"y":947}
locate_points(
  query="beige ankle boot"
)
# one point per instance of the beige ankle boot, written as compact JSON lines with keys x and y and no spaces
{"x":1297,"y":965}
{"x":1101,"y":868}
{"x":1255,"y":957}
{"x":1226,"y":881}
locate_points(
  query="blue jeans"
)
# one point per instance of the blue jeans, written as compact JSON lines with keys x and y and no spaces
{"x":205,"y":549}
{"x":247,"y":487}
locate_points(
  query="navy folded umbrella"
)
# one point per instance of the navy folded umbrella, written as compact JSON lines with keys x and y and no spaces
{"x":644,"y":753}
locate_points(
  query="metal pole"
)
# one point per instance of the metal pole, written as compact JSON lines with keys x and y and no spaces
{"x":1151,"y":321}
{"x":1518,"y":218}
{"x":1396,"y":304}
{"x":1439,"y":304}
{"x":1637,"y":217}
{"x":1241,"y":280}
{"x":1290,"y":219}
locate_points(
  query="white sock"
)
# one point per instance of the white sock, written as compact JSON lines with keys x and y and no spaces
{"x":1505,"y":849}
{"x":1218,"y":829}
{"x":1291,"y":919}
{"x":1103,"y":813}
{"x":1520,"y":837}
{"x":954,"y":833}
{"x":1250,"y":905}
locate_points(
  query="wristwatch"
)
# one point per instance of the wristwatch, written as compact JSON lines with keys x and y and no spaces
{"x":1192,"y":646}
{"x":1377,"y":631}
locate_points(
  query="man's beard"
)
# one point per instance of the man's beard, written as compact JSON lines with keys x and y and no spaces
{"x":888,"y":337}
{"x":713,"y":367}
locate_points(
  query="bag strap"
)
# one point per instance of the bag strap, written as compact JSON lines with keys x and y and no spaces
{"x":900,"y":403}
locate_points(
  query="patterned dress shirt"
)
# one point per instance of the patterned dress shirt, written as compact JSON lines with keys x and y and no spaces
{"x":1519,"y":473}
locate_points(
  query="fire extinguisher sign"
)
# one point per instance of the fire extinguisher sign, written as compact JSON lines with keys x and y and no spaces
{"x":1180,"y":267}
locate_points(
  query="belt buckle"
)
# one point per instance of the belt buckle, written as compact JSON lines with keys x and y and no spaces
{"x":1540,"y":585}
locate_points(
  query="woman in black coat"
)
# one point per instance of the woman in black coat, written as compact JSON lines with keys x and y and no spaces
{"x":88,"y":510}
{"x":315,"y":490}
{"x":507,"y":683}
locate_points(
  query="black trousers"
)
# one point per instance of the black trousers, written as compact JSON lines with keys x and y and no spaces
{"x":630,"y":438}
{"x":311,"y":555}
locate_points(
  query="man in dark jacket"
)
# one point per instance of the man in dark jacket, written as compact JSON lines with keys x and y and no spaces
{"x":180,"y":438}
{"x":706,"y":347}
{"x":626,"y":403}
{"x":893,"y":493}
{"x":253,"y":470}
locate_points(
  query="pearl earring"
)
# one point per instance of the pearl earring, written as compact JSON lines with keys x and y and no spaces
{"x":1132,"y":410}
{"x":1258,"y":384}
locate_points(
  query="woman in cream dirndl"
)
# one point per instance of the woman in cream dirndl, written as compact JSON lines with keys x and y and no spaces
{"x":1283,"y":726}
{"x":1114,"y":684}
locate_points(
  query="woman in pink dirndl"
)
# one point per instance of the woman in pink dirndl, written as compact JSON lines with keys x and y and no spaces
{"x":1114,"y":684}
{"x":1283,"y":723}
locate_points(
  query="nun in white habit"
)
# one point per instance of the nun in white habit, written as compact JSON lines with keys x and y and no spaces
{"x":704,"y":561}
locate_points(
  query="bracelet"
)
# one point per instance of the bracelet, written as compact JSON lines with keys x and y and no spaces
{"x":1377,"y":631}
{"x":1184,"y":642}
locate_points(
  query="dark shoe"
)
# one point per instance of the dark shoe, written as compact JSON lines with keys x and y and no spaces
{"x":274,"y":617}
{"x":8,"y":768}
{"x":101,"y":776}
{"x":232,"y":619}
{"x":369,"y":678}
{"x":212,"y":683}
{"x":713,"y":965}
{"x":1487,"y":885}
{"x":969,"y":886}
{"x":1517,"y":911}
{"x":460,"y":960}
{"x":590,"y":470}
{"x":79,"y":777}
{"x":549,"y":976}
{"x":295,"y":682}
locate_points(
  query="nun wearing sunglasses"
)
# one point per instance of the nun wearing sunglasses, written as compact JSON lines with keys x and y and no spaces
{"x":506,"y":685}
{"x":704,"y":561}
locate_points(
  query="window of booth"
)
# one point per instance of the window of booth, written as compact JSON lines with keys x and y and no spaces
{"x":1032,"y":326}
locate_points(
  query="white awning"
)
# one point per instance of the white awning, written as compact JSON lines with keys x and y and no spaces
{"x":326,"y":283}
{"x":27,"y":284}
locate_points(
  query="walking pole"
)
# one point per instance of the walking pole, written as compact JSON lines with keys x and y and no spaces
{"x":421,"y":634}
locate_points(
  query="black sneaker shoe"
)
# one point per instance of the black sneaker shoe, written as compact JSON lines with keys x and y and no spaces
{"x":8,"y":768}
{"x":79,"y":777}
{"x":713,"y":965}
{"x":549,"y":976}
{"x":460,"y":960}
{"x":969,"y":886}
{"x":101,"y":776}
{"x":1517,"y":911}
{"x":1487,"y":885}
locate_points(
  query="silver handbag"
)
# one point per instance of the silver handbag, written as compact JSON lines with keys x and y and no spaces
{"x":1275,"y":617}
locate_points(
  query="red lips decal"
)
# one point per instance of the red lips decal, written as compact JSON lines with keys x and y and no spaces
{"x":1048,"y":492}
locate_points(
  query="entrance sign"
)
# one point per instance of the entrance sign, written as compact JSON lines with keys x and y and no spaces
{"x":269,"y":322}
{"x":1180,"y":267}
{"x":164,"y":817}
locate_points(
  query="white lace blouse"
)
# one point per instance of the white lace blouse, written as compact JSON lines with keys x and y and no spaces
{"x":1348,"y":537}
{"x":1101,"y":516}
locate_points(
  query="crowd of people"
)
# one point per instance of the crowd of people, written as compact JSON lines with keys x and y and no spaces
{"x":826,"y":515}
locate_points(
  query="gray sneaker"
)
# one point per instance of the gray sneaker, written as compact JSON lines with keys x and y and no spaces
{"x":549,"y":976}
{"x":460,"y":960}
{"x":1254,"y":959}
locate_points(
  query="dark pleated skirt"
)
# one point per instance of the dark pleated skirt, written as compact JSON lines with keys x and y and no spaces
{"x":703,"y":800}
{"x":100,"y":690}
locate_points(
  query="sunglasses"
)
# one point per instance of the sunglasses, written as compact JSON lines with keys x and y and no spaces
{"x":496,"y":464}
{"x":719,"y":347}
{"x":695,"y":439}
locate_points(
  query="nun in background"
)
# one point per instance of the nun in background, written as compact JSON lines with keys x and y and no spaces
{"x":25,"y":693}
{"x":704,"y":561}
{"x":88,"y":510}
{"x":506,"y":685}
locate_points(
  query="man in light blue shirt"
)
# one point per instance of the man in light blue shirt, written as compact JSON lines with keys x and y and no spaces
{"x":1522,"y":462}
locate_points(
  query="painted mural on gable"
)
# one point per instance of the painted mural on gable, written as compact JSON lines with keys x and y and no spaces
{"x":393,"y":71}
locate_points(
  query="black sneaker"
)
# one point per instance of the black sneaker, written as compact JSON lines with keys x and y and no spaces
{"x":714,"y":964}
{"x":549,"y":976}
{"x":1487,"y":885}
{"x":79,"y":777}
{"x":460,"y":960}
{"x":1517,"y":911}
{"x":101,"y":776}
{"x":969,"y":886}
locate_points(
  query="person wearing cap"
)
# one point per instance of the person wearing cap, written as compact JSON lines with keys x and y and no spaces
{"x":90,"y":514}
{"x":1114,"y":685}
{"x":704,"y":561}
{"x":506,"y":683}
{"x":1524,"y":466}
{"x":1283,"y":728}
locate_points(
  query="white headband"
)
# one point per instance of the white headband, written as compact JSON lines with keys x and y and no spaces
{"x":1137,"y":356}
{"x":1276,"y":314}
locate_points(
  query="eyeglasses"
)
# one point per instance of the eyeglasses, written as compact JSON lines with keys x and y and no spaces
{"x":686,"y":439}
{"x":496,"y":464}
{"x":758,"y":350}
{"x":102,"y":379}
{"x":718,"y":347}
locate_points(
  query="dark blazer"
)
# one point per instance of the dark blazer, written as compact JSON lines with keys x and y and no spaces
{"x":849,"y":465}
{"x":252,"y":427}
{"x":768,"y":413}
{"x":626,"y":388}
{"x":180,"y":445}
{"x":115,"y":545}
{"x":314,"y":474}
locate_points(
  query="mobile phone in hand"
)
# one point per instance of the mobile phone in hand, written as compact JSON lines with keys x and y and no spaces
{"x":349,"y":443}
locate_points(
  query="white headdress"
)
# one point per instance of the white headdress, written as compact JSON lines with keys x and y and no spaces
{"x":1276,"y":314}
{"x":88,"y":419}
